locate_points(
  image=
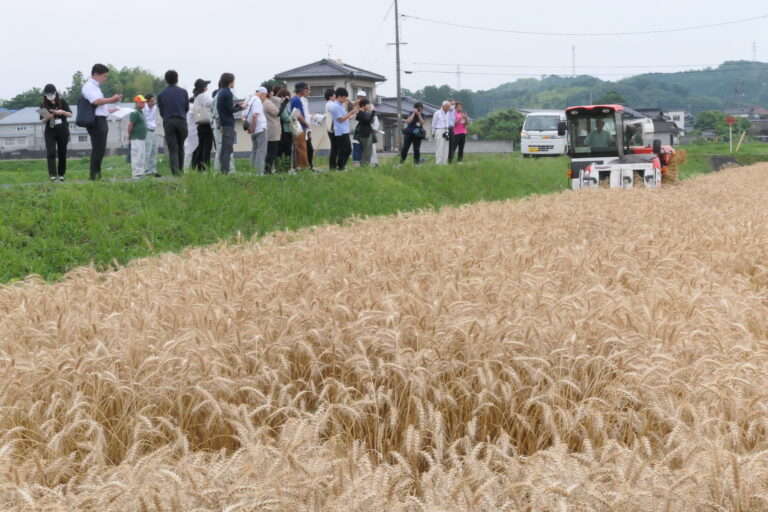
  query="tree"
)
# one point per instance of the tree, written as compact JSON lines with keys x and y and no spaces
{"x":714,"y":120}
{"x":30,"y":98}
{"x":500,"y":125}
{"x":269,"y":84}
{"x":611,"y":98}
{"x":72,"y":93}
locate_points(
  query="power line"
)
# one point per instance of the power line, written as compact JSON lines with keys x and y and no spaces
{"x":432,"y":71}
{"x":585,"y":34}
{"x":549,"y":67}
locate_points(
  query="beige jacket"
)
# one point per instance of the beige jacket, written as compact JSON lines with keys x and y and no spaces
{"x":271,"y":109}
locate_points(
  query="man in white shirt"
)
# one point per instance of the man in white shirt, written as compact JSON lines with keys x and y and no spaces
{"x":330,"y":102}
{"x":150,"y":114}
{"x":257,"y":127}
{"x":440,"y":126}
{"x":98,"y":132}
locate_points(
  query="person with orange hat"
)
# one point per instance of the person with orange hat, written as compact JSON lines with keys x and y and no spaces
{"x":137,"y":133}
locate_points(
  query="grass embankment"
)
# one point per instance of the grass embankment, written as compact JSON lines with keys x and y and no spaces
{"x":49,"y":229}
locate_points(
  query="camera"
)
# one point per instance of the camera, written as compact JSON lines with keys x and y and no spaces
{"x":446,"y":135}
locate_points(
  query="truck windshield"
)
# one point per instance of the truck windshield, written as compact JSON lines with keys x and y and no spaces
{"x":592,"y":135}
{"x":541,"y":123}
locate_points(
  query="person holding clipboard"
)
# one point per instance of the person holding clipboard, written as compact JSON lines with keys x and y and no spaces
{"x":54,"y":113}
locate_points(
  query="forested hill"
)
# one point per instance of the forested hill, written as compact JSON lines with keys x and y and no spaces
{"x":733,"y":83}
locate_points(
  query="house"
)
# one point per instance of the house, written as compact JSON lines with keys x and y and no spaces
{"x":332,"y":74}
{"x":665,"y":128}
{"x":21,"y":133}
{"x":754,"y":112}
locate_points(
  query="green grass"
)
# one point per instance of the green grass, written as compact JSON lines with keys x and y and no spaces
{"x":49,"y":229}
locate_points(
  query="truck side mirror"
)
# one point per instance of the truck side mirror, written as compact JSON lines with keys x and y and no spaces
{"x":561,"y":127}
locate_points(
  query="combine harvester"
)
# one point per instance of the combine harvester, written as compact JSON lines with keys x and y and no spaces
{"x":600,"y":158}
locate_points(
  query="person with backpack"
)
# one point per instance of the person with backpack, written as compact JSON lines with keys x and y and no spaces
{"x":98,"y":130}
{"x":56,"y":131}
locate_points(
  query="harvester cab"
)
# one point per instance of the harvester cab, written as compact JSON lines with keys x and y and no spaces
{"x":601,"y":150}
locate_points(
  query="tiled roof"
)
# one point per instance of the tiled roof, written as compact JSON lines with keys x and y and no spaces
{"x":389,"y":106}
{"x":328,"y":68}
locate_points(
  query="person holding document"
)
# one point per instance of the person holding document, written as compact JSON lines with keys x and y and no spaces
{"x":54,"y":113}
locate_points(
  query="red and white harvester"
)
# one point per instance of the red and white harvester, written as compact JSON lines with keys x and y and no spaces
{"x":611,"y":146}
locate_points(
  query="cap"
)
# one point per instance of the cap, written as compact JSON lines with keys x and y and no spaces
{"x":261,"y":89}
{"x":300,"y":86}
{"x":49,"y":89}
{"x":361,"y":93}
{"x":140,"y":98}
{"x":201,"y":84}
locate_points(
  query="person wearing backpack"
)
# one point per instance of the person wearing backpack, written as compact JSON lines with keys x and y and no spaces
{"x":99,"y":129}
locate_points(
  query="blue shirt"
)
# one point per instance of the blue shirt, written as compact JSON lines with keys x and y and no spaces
{"x":296,"y":104}
{"x":339,"y":127}
{"x":173,"y":101}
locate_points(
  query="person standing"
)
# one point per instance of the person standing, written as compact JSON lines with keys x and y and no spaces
{"x":257,"y":128}
{"x":341,"y":127}
{"x":356,"y":149}
{"x":286,"y":137}
{"x":451,"y":132}
{"x":216,"y":126}
{"x":460,"y":131}
{"x":173,"y":103}
{"x":274,"y":130}
{"x":201,"y":108}
{"x":150,"y":116}
{"x":226,"y":108}
{"x":301,"y":160}
{"x":365,"y":131}
{"x":330,"y":102}
{"x":308,"y":131}
{"x":99,"y":130}
{"x":414,"y":134}
{"x":440,"y":125}
{"x":56,"y":132}
{"x":137,"y":134}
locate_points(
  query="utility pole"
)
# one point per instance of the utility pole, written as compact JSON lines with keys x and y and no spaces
{"x":573,"y":61}
{"x":458,"y":77}
{"x":754,"y":51}
{"x":399,"y":132}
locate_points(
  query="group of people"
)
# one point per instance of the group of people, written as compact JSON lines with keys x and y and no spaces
{"x":279,"y":125}
{"x":449,"y":128}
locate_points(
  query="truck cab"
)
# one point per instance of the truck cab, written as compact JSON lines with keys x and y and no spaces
{"x":600,"y":139}
{"x":540,"y":136}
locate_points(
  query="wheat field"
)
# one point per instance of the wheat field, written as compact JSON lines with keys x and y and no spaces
{"x":585,"y":351}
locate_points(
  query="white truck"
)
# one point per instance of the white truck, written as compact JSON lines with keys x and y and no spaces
{"x":539,"y":136}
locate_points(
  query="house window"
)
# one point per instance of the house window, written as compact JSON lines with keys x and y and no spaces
{"x":10,"y":142}
{"x":318,"y":91}
{"x":82,"y":138}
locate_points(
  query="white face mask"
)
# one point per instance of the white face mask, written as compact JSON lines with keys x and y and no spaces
{"x":50,"y":97}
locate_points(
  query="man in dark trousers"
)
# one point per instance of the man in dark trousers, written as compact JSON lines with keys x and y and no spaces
{"x":173,"y":103}
{"x":98,"y":132}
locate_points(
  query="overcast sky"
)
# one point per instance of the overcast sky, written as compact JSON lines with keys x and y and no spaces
{"x":43,"y":43}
